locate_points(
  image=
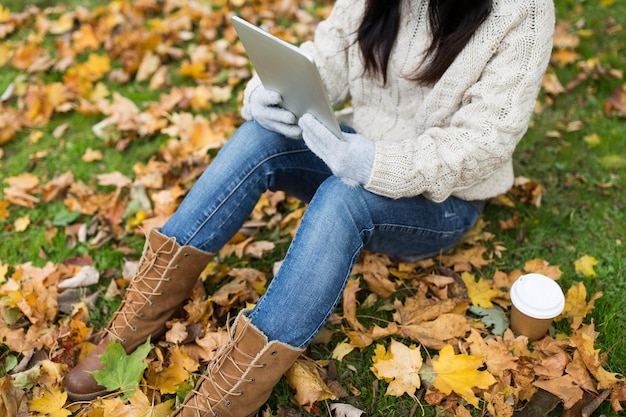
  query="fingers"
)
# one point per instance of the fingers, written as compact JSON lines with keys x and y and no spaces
{"x":268,"y":97}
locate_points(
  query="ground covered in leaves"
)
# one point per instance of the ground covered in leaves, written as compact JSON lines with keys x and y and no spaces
{"x":441,"y":334}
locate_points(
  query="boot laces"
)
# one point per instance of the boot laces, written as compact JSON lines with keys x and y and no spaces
{"x":202,"y":400}
{"x":153,"y":268}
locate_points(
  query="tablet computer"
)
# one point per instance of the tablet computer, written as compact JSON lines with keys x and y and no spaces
{"x":284,"y":68}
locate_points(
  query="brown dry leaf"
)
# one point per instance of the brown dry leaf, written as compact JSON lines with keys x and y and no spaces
{"x":500,"y":398}
{"x":10,"y":397}
{"x":616,"y":103}
{"x":206,"y":348}
{"x":577,"y":369}
{"x":434,"y":334}
{"x":304,"y":377}
{"x":465,"y":259}
{"x":591,"y":358}
{"x":177,"y":333}
{"x":498,"y":357}
{"x":564,"y":387}
{"x":350,"y":304}
{"x":114,"y":178}
{"x":375,"y":271}
{"x":57,"y":186}
{"x":246,"y":287}
{"x":540,"y":266}
{"x":419,"y":308}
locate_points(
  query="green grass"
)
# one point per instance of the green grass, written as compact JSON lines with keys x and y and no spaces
{"x":582,"y":211}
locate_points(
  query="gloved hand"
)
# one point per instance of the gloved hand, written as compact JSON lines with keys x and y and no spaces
{"x":264,"y":107}
{"x":350,"y":159}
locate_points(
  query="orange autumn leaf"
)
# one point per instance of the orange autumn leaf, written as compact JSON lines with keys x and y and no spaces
{"x":459,"y":373}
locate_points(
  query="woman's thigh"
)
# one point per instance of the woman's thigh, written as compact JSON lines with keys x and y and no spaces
{"x":415,"y":228}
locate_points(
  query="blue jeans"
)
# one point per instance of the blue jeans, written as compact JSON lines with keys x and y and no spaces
{"x":340,"y":221}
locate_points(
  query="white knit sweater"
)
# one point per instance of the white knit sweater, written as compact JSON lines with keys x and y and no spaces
{"x":458,"y":136}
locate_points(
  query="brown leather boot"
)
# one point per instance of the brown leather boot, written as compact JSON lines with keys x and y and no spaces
{"x":240,"y":379}
{"x":166,"y":276}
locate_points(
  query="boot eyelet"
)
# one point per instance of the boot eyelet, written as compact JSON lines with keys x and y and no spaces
{"x":274,"y":353}
{"x":263,"y":365}
{"x":124,"y":340}
{"x":177,"y":267}
{"x":252,"y":380}
{"x":228,"y":403}
{"x":169,"y":279}
{"x":141,"y":315}
{"x":186,"y":255}
{"x":151,"y":304}
{"x":133,"y":328}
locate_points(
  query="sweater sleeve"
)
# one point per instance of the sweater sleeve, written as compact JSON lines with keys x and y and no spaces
{"x":330,"y":46}
{"x":479,"y":139}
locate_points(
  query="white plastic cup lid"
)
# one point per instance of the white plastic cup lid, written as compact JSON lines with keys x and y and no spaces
{"x":537,"y":296}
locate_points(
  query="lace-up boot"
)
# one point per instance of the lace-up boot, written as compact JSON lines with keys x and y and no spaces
{"x":165,"y":277}
{"x":240,"y":379}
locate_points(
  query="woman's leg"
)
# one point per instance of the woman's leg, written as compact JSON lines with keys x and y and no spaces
{"x":339,"y":222}
{"x":252,"y":161}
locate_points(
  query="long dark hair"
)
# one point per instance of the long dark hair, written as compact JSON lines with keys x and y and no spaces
{"x":452,"y":22}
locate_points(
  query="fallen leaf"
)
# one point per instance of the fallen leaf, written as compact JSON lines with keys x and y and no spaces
{"x":584,"y":265}
{"x":346,"y":410}
{"x":51,"y":403}
{"x":481,"y":292}
{"x":459,"y":373}
{"x":303,"y":376}
{"x":121,"y":371}
{"x":399,"y":366}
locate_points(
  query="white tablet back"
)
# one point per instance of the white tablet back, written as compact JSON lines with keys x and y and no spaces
{"x":284,"y":68}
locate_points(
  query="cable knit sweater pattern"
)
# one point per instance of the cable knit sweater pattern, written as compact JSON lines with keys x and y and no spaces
{"x":456,"y":137}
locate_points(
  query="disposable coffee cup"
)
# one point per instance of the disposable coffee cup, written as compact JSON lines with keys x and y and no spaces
{"x":537,"y":300}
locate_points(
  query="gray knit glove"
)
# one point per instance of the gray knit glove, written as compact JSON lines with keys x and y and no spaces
{"x":350,"y":159}
{"x":264,"y":107}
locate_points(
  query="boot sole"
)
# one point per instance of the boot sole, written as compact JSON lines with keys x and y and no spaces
{"x":74,"y":397}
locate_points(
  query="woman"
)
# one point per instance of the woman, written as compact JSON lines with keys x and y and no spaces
{"x":441,"y":93}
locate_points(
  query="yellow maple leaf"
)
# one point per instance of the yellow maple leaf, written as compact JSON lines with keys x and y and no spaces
{"x":576,"y":305}
{"x":140,"y":405}
{"x":400,"y":366}
{"x":481,"y":292}
{"x":584,"y":265}
{"x":459,"y":373}
{"x":50,"y":403}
